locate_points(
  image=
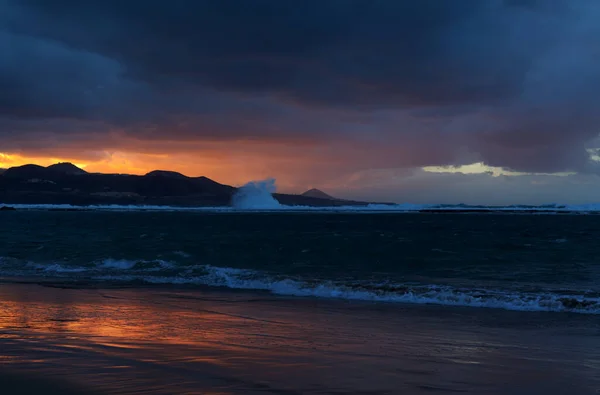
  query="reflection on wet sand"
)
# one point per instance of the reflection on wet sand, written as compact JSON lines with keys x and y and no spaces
{"x":155,"y":341}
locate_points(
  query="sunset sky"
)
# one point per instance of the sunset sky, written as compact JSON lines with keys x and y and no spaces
{"x":433,"y":101}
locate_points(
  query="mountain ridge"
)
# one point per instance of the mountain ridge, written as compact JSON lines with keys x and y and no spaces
{"x":66,"y":168}
{"x":65,"y":183}
{"x":317,"y":193}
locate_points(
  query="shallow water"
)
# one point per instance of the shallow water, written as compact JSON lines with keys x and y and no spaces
{"x":176,"y":341}
{"x":516,"y":262}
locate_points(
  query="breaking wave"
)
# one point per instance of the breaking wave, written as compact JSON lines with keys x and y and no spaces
{"x":165,"y":272}
{"x":255,"y":198}
{"x":256,"y":195}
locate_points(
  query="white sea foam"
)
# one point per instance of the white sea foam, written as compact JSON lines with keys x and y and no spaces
{"x":57,"y":268}
{"x":122,"y":264}
{"x":256,"y":195}
{"x":259,"y":202}
{"x":153,"y":271}
{"x":425,"y":294}
{"x":126,"y":264}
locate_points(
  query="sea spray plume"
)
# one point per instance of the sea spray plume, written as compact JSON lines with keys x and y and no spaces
{"x":256,"y":195}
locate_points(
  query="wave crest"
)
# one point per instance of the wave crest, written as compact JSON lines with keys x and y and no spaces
{"x":256,"y":195}
{"x":165,"y":272}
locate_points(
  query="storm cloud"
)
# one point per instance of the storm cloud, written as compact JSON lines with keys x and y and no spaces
{"x":364,"y":84}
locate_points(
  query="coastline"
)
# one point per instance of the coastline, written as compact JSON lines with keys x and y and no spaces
{"x":175,"y":340}
{"x":299,"y":209}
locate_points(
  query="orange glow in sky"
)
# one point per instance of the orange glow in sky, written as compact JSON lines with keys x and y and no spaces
{"x":9,"y":160}
{"x":129,"y":163}
{"x":233,"y":169}
{"x":297,"y":165}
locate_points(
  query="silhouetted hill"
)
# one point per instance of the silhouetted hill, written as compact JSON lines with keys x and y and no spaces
{"x":166,"y":174}
{"x":65,"y":183}
{"x":26,"y":171}
{"x":317,"y":193}
{"x":2,"y":170}
{"x":66,"y":168}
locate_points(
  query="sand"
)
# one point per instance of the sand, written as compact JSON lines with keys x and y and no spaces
{"x":178,"y":341}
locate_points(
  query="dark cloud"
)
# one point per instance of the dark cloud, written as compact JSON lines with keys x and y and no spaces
{"x":373,"y":52}
{"x":511,"y":82}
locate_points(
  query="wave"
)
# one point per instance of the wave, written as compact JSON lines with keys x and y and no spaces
{"x":256,"y":195}
{"x":165,"y":272}
{"x":247,"y":205}
{"x":385,"y":292}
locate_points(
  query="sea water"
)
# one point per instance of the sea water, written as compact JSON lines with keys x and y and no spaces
{"x":499,"y":261}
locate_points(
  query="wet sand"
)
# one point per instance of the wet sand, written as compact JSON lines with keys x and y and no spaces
{"x":177,"y":341}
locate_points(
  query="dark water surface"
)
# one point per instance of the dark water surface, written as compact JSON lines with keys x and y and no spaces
{"x":207,"y":303}
{"x":517,"y":262}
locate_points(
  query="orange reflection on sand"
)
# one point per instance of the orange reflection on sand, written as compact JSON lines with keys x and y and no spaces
{"x":120,"y":332}
{"x":124,"y":323}
{"x":145,"y":340}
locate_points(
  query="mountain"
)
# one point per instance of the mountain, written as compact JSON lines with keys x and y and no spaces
{"x":26,"y":171}
{"x":65,"y":183}
{"x":316,"y":193}
{"x":66,"y":168}
{"x":2,"y":170}
{"x":165,"y":174}
{"x":36,"y":171}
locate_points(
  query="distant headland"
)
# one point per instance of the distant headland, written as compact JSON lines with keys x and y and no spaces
{"x":65,"y":183}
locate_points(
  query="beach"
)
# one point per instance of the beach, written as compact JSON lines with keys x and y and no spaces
{"x":296,"y":303}
{"x":272,"y":197}
{"x":159,"y":340}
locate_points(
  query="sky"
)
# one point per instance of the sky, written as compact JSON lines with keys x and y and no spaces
{"x":422,"y":101}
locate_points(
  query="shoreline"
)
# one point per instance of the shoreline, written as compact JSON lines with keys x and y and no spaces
{"x":572,"y":306}
{"x":176,"y":341}
{"x":294,"y":209}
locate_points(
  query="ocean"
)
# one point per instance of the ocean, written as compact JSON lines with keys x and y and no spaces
{"x":515,"y":262}
{"x":283,"y":302}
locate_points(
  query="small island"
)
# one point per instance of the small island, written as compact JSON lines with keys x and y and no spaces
{"x":65,"y":183}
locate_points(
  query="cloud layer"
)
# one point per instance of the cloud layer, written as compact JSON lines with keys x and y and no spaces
{"x":341,"y":85}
